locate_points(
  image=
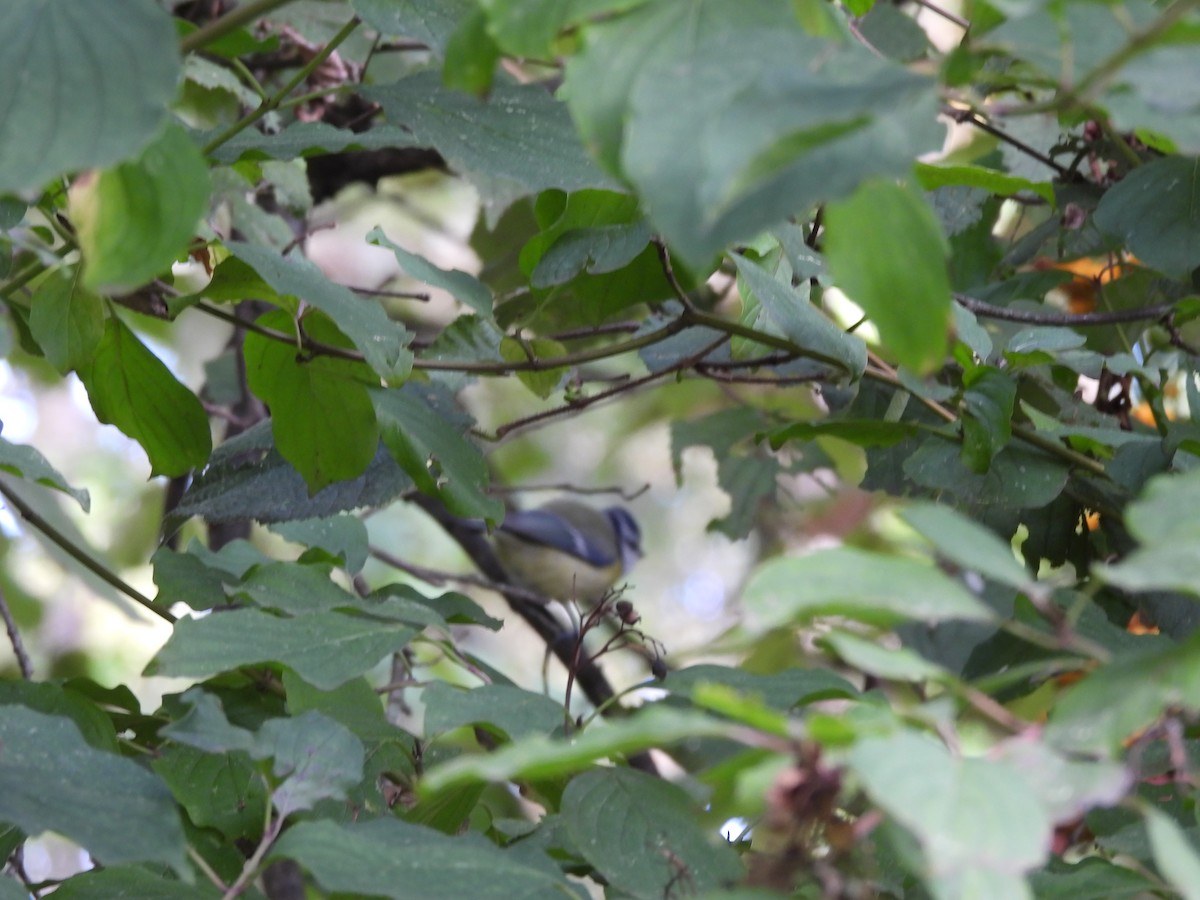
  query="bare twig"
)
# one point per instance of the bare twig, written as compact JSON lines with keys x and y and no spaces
{"x":66,"y":545}
{"x":14,"y":638}
{"x":987,"y":310}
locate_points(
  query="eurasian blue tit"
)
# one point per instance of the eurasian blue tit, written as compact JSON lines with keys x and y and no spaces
{"x":568,"y":550}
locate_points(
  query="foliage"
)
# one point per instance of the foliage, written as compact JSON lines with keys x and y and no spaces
{"x":989,"y":689}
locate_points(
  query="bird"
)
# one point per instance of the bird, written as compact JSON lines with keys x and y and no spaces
{"x":567,"y":550}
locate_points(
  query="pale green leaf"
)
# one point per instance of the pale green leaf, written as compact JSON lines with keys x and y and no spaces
{"x":135,"y":219}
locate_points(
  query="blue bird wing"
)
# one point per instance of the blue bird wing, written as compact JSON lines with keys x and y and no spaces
{"x":538,"y":526}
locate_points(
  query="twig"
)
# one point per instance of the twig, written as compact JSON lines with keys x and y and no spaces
{"x":280,"y":95}
{"x":66,"y":545}
{"x":438,"y":577}
{"x":571,"y":488}
{"x":945,"y":14}
{"x":235,"y":19}
{"x":664,"y":259}
{"x":250,"y":869}
{"x":632,"y":384}
{"x":14,"y":638}
{"x":987,"y":310}
{"x":971,"y":117}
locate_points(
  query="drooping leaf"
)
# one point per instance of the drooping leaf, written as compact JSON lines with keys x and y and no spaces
{"x":1174,"y":854}
{"x":887,"y":252}
{"x":26,"y":462}
{"x":135,"y":219}
{"x":801,"y":322}
{"x":321,"y":413}
{"x":131,"y":388}
{"x":471,"y":55}
{"x":462,"y":285}
{"x":67,"y":320}
{"x":107,"y":72}
{"x":440,"y":459}
{"x":84,"y":792}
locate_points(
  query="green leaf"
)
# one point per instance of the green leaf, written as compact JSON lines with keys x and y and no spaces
{"x":130,"y":387}
{"x":1174,"y":855}
{"x":471,"y":55}
{"x":625,"y":822}
{"x":340,"y":536}
{"x":1155,"y":212}
{"x":541,"y":382}
{"x":863,"y":432}
{"x":316,"y":758}
{"x":1099,"y":713}
{"x":130,"y":883}
{"x":224,"y":791}
{"x":513,"y":712}
{"x":26,"y":462}
{"x":801,"y":322}
{"x":868,"y":587}
{"x":302,"y":139}
{"x":805,"y":119}
{"x":531,"y":145}
{"x":84,"y":792}
{"x":1000,"y":183}
{"x":135,"y":219}
{"x":1017,"y":478}
{"x":431,"y":22}
{"x":1091,"y":878}
{"x":987,"y":421}
{"x":461,"y":285}
{"x":107,"y":72}
{"x":889,"y":663}
{"x":887,"y":252}
{"x":294,"y":588}
{"x":537,"y":756}
{"x":326,"y":649}
{"x":66,"y":319}
{"x":975,"y":820}
{"x":322,"y":418}
{"x":967,"y":543}
{"x":781,"y":690}
{"x":440,"y":459}
{"x":382,"y":341}
{"x":390,"y":858}
{"x":56,"y":700}
{"x":1164,"y":520}
{"x":248,"y":479}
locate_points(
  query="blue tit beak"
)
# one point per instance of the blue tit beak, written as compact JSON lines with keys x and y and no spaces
{"x":568,"y":550}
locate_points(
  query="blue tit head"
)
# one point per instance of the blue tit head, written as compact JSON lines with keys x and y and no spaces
{"x":568,"y":550}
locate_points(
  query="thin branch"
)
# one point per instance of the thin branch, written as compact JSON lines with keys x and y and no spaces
{"x":67,"y":546}
{"x":235,"y":19}
{"x":570,"y":488}
{"x":971,"y":117}
{"x":422,"y":296}
{"x":987,"y":310}
{"x":945,"y":14}
{"x":664,"y":259}
{"x":439,"y":577}
{"x":250,"y":869}
{"x":14,"y":638}
{"x":280,"y":95}
{"x":584,"y":402}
